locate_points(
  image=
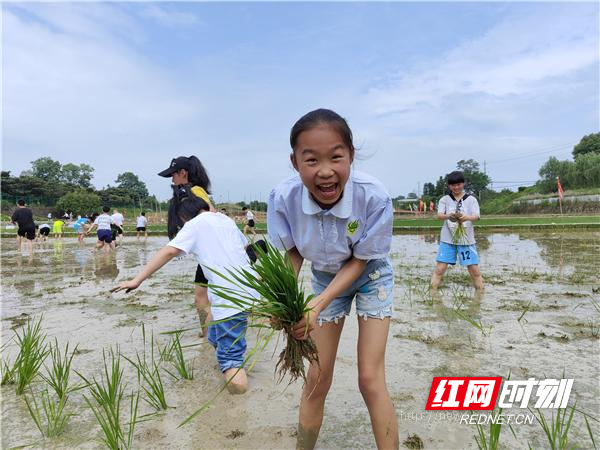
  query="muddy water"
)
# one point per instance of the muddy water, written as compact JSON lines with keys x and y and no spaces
{"x":545,"y":279}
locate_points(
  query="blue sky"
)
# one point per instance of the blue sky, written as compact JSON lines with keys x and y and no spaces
{"x":128,"y":86}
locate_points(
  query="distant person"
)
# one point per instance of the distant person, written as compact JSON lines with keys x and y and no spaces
{"x":44,"y":232}
{"x":250,"y":225}
{"x":23,"y":217}
{"x":57,"y":228}
{"x":117,"y":225}
{"x":140,"y":225}
{"x":49,"y":216}
{"x":105,"y":236}
{"x":190,"y":183}
{"x":224,"y":211}
{"x":458,"y":210}
{"x":80,"y":227}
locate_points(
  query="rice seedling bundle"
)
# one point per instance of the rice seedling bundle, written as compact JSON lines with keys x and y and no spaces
{"x":280,"y":305}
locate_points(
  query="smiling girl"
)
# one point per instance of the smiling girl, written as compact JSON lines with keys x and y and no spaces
{"x":341,"y":221}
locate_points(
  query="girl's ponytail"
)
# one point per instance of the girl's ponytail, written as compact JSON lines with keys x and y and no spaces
{"x":197,"y":175}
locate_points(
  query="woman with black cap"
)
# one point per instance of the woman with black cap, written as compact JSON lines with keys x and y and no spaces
{"x":191,"y":189}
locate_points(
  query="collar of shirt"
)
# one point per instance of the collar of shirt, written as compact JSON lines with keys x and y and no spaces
{"x":342,"y":209}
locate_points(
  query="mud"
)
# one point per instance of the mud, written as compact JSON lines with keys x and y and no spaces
{"x":535,"y":319}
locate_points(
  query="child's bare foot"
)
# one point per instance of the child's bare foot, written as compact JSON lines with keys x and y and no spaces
{"x":238,"y":381}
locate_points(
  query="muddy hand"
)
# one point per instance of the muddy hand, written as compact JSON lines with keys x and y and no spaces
{"x":127,"y":286}
{"x":301,"y":330}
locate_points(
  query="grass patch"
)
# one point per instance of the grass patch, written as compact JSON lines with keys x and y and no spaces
{"x":105,"y":401}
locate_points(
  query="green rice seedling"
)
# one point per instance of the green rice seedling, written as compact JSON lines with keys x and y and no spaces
{"x":32,"y":353}
{"x":149,"y":376}
{"x":7,"y":372}
{"x":281,"y":304}
{"x":57,"y":377}
{"x":488,"y":438}
{"x":51,"y":419}
{"x":184,"y":369}
{"x":457,"y":309}
{"x":589,"y":428}
{"x":557,"y":429}
{"x":525,"y":311}
{"x":106,"y":396}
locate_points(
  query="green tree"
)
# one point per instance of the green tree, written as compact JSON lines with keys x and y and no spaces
{"x":428,"y":190}
{"x":550,"y":170}
{"x":475,"y":180}
{"x":115,"y":196}
{"x":46,"y":169}
{"x":137,"y":188}
{"x":440,"y":187}
{"x":588,"y":144}
{"x":79,"y":175}
{"x":79,"y":202}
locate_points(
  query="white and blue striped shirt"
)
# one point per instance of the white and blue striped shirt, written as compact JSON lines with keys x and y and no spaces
{"x":359,"y":225}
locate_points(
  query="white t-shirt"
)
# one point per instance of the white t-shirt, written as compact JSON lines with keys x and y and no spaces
{"x":44,"y":225}
{"x":117,"y":219}
{"x":468,"y":206}
{"x":249,"y":215}
{"x":103,"y":221}
{"x":217,"y":243}
{"x":141,"y":221}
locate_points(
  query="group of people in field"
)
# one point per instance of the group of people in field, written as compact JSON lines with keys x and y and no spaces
{"x":110,"y":227}
{"x":338,"y":219}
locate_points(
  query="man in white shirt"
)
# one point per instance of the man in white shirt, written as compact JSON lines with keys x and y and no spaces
{"x":117,"y":225}
{"x":250,"y":225}
{"x":458,"y":210}
{"x":140,"y":225}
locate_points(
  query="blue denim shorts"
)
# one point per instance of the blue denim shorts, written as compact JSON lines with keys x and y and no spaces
{"x":229,"y":340}
{"x":373,"y":290}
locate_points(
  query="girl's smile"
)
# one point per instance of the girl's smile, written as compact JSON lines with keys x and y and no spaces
{"x":323,"y":161}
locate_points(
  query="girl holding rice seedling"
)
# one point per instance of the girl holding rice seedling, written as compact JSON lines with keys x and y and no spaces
{"x":219,"y":247}
{"x":458,"y":210}
{"x":341,"y":221}
{"x":191,"y":189}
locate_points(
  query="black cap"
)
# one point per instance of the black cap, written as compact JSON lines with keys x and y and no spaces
{"x":176,"y":165}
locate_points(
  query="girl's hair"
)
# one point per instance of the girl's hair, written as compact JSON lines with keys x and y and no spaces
{"x":184,"y":206}
{"x":197,"y":175}
{"x":322,"y":117}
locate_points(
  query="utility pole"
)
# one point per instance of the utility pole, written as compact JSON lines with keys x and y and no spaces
{"x":484,"y":167}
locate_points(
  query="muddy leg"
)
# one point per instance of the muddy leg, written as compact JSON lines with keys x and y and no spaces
{"x":438,"y":274}
{"x":476,"y":276}
{"x":203,"y":307}
{"x":312,"y":402}
{"x":372,"y":340}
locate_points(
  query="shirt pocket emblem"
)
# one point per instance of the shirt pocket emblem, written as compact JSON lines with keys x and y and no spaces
{"x":352,"y":227}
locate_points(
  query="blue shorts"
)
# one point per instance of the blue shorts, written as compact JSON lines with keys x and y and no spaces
{"x":105,"y":236}
{"x":373,"y":290}
{"x":467,"y":254}
{"x":229,"y":340}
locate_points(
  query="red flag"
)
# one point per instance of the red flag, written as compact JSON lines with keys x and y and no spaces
{"x":561,"y":192}
{"x":431,"y":205}
{"x":421,"y":205}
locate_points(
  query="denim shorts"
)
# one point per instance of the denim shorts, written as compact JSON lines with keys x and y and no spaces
{"x":229,"y":340}
{"x":467,"y":254}
{"x":373,"y":290}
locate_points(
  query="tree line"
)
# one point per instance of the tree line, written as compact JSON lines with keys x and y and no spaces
{"x":581,"y":172}
{"x":68,"y":187}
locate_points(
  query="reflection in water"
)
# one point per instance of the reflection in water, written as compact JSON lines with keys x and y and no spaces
{"x":579,"y":249}
{"x":106,"y":267}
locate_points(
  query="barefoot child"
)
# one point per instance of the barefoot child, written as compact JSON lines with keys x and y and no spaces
{"x":216,"y":242}
{"x":456,"y":209}
{"x":342,"y":223}
{"x":57,"y":227}
{"x":250,"y":226}
{"x":105,"y":235}
{"x":23,"y":217}
{"x":140,"y":225}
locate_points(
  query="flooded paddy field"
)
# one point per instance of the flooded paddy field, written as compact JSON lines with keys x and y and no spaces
{"x":538,"y":318}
